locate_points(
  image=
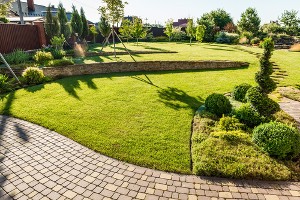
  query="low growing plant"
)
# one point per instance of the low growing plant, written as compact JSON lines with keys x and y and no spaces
{"x":18,"y":56}
{"x":229,"y":124}
{"x":33,"y":75}
{"x":278,"y":140}
{"x":61,"y":62}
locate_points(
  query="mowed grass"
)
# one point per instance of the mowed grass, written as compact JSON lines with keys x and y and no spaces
{"x":141,"y":118}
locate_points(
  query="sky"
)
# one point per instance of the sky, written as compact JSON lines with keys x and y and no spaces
{"x":159,"y":11}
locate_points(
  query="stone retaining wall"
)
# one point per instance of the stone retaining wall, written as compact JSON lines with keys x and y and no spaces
{"x":103,"y":68}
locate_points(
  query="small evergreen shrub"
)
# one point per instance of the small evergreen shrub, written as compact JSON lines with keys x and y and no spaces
{"x":61,"y":62}
{"x":33,"y":75}
{"x":248,"y":115}
{"x":42,"y":57}
{"x":278,"y":140}
{"x":218,"y":104}
{"x":18,"y":56}
{"x":239,"y":92}
{"x":229,"y":124}
{"x":58,"y":54}
{"x":5,"y":85}
{"x":261,"y":102}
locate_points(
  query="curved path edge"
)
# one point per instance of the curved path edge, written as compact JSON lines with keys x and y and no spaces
{"x":36,"y":163}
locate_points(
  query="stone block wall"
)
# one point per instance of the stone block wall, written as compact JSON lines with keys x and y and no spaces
{"x":104,"y":68}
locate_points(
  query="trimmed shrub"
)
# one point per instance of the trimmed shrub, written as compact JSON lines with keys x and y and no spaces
{"x":5,"y":85}
{"x":42,"y":57}
{"x":58,"y":54}
{"x":62,"y":62}
{"x":218,"y":104}
{"x":278,"y":140}
{"x":261,"y":102}
{"x":248,"y":115}
{"x":18,"y":56}
{"x":33,"y":75}
{"x":229,"y":124}
{"x":255,"y":40}
{"x":239,"y":92}
{"x":226,"y":38}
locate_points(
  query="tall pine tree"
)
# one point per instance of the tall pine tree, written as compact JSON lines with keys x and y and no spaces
{"x":76,"y":23}
{"x":65,"y":27}
{"x":85,"y":26}
{"x":52,"y":26}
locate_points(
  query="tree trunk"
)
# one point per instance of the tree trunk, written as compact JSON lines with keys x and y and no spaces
{"x":190,"y":41}
{"x":137,"y":41}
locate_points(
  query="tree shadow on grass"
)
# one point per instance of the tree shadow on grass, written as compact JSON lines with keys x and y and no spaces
{"x":35,"y":88}
{"x":72,"y":84}
{"x":218,"y":49}
{"x":9,"y":98}
{"x":144,"y":80}
{"x":178,"y":99}
{"x":154,"y":48}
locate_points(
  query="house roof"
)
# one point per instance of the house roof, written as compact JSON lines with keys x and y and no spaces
{"x":26,"y":19}
{"x":40,"y":10}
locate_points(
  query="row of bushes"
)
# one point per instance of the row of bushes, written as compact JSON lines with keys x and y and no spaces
{"x":276,"y":138}
{"x":46,"y":57}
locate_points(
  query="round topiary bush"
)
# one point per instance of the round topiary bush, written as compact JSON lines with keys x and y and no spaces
{"x":248,"y":115}
{"x":33,"y":75}
{"x":218,"y":104}
{"x":239,"y":92}
{"x":278,"y":139}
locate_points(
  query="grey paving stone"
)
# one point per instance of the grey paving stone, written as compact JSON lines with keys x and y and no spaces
{"x":50,"y":166}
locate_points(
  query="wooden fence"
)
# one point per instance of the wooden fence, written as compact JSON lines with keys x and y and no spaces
{"x":26,"y":37}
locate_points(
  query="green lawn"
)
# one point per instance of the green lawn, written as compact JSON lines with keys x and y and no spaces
{"x":140,"y":118}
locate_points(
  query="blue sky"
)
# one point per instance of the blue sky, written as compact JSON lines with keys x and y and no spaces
{"x":161,"y":10}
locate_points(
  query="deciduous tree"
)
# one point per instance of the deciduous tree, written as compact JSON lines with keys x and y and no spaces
{"x":94,"y":32}
{"x":169,"y":28}
{"x":126,"y":29}
{"x":191,"y":30}
{"x":138,"y":31}
{"x":200,"y":32}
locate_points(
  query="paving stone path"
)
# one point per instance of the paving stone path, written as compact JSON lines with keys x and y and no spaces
{"x":36,"y":163}
{"x":292,"y":108}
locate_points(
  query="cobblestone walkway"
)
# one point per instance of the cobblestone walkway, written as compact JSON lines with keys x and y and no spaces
{"x":291,"y":107}
{"x":37,"y":163}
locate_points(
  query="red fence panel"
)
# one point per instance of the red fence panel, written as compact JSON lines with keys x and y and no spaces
{"x":14,"y":36}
